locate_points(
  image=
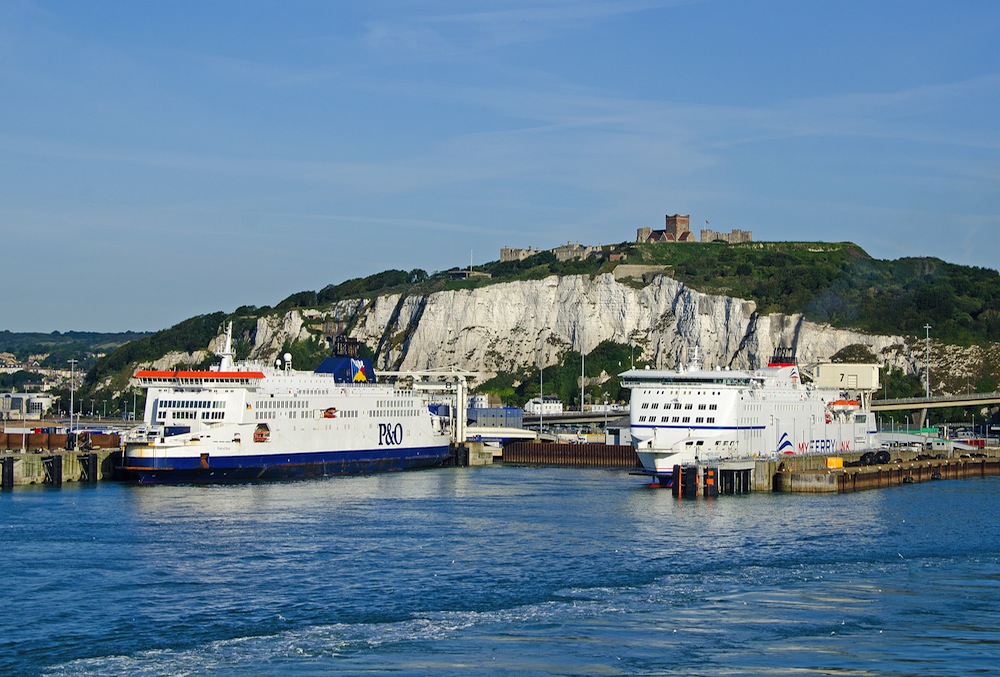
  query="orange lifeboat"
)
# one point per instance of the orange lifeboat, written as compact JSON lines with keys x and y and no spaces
{"x":841,"y":405}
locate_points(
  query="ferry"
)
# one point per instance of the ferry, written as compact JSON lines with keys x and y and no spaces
{"x":246,"y":421}
{"x":698,"y":416}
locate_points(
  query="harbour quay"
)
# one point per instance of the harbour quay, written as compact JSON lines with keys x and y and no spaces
{"x":807,"y":475}
{"x":42,"y":464}
{"x":56,"y":467}
{"x":43,"y":458}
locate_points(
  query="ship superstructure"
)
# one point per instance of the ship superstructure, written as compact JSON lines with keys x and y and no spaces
{"x":702,"y":416}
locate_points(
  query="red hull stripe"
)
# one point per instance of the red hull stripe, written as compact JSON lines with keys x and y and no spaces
{"x":146,"y":373}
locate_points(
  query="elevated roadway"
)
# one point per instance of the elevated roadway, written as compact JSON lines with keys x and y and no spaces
{"x":573,"y":418}
{"x":936,"y":402}
{"x":920,"y":405}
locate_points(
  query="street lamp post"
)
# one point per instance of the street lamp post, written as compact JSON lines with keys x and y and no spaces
{"x":24,"y":428}
{"x":927,"y":359}
{"x":541,"y":400}
{"x":72,"y":389}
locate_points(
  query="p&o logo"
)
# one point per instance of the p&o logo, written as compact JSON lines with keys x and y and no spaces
{"x":389,"y":434}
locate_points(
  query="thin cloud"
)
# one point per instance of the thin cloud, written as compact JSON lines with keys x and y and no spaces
{"x":436,"y":31}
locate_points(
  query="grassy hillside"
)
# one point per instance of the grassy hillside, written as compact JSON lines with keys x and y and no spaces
{"x":59,"y":347}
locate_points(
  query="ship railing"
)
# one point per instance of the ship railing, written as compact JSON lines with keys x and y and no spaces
{"x":143,"y":433}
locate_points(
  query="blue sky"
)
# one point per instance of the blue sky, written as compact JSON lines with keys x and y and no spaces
{"x":160,"y":160}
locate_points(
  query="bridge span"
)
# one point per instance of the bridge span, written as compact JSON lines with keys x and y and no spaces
{"x":920,"y":405}
{"x":937,"y":402}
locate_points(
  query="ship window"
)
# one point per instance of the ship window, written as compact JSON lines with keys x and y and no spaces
{"x":701,"y":407}
{"x":700,"y":419}
{"x":711,"y":419}
{"x":689,"y":406}
{"x":713,"y":407}
{"x":676,"y":419}
{"x":687,"y":419}
{"x":677,"y":405}
{"x":656,"y":405}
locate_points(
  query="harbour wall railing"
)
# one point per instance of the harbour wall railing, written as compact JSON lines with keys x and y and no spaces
{"x":33,"y":442}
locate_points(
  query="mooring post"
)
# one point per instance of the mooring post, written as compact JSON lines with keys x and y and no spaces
{"x":52,"y":465}
{"x":6,"y":473}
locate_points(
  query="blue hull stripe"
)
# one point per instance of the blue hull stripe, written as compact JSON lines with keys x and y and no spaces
{"x":282,"y":466}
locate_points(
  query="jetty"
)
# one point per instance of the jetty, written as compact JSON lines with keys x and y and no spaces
{"x":805,"y":474}
{"x":54,"y":458}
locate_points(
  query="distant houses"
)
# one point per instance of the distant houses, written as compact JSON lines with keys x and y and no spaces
{"x":544,"y":405}
{"x":33,"y":406}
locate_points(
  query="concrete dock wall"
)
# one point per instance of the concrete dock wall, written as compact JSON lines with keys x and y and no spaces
{"x":58,"y":467}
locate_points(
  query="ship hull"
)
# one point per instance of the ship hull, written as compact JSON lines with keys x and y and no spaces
{"x":206,"y":468}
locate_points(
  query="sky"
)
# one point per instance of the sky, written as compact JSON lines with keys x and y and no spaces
{"x":169,"y":158}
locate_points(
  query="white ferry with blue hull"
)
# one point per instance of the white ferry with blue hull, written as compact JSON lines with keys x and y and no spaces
{"x":246,"y":421}
{"x":699,"y":416}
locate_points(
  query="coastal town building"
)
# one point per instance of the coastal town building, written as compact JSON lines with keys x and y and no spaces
{"x":20,"y":406}
{"x":515,"y":254}
{"x":571,"y":250}
{"x":484,"y":401}
{"x":467,"y":274}
{"x":546,"y":405}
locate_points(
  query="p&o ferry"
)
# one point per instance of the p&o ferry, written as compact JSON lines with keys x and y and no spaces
{"x":699,"y":416}
{"x":244,"y":421}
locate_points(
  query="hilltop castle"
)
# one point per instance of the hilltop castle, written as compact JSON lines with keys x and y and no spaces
{"x":566,"y":252}
{"x":678,"y":229}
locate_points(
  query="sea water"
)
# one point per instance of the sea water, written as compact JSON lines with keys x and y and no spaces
{"x":498,"y":570}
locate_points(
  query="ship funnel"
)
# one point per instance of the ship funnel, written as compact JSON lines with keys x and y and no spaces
{"x":227,"y":353}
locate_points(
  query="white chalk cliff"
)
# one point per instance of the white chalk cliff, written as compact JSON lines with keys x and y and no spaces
{"x":504,"y":326}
